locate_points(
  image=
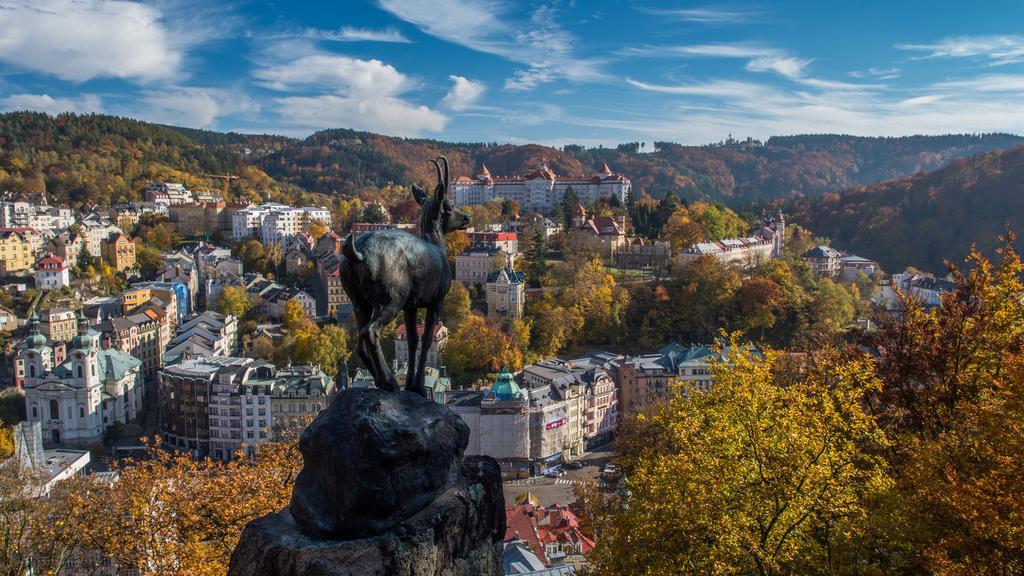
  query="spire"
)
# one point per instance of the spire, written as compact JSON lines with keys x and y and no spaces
{"x":605,"y":169}
{"x":484,"y":171}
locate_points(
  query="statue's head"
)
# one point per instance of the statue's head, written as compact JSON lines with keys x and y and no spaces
{"x":439,"y":207}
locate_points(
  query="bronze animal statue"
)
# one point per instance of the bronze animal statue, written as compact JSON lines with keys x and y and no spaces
{"x":392,"y":271}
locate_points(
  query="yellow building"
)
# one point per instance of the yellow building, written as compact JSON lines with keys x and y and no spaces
{"x":133,"y":298}
{"x":18,"y":247}
{"x":119,"y":252}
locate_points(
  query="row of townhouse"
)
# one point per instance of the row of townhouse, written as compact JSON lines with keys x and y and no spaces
{"x":219,"y":406}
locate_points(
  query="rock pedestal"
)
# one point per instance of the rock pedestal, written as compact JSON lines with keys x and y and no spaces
{"x":384,"y":490}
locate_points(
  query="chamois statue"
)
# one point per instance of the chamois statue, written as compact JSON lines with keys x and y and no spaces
{"x":388,"y":271}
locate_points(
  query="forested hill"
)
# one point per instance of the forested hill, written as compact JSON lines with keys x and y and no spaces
{"x":106,"y":159}
{"x":103,"y":159}
{"x":926,"y":218}
{"x":733,"y":172}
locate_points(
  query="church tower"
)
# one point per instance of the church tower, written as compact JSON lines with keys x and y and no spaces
{"x":35,"y":351}
{"x":780,"y":235}
{"x":84,"y":360}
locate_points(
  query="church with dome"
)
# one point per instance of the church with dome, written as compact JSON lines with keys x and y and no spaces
{"x":541,"y":190}
{"x":77,"y":399}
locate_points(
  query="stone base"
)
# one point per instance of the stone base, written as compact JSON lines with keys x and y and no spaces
{"x":459,"y":533}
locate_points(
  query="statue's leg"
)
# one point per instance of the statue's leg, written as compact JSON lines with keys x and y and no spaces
{"x":382,"y":317}
{"x":363,"y":312}
{"x":413,"y":339}
{"x":428,"y":341}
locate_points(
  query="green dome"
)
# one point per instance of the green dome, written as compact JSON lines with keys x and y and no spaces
{"x":35,"y":339}
{"x":506,"y":388}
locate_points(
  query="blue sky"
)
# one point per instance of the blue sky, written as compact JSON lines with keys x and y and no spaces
{"x":555,"y":71}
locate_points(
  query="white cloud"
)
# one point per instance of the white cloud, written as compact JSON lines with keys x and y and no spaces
{"x":78,"y":40}
{"x":998,"y":50}
{"x":387,"y":115}
{"x":759,"y":58}
{"x":50,"y":105}
{"x":463,"y":94}
{"x":705,"y":15}
{"x":707,"y":111}
{"x":350,"y":34}
{"x":352,"y":75}
{"x":350,"y":92}
{"x":546,"y":48}
{"x":728,"y":50}
{"x":193,"y":107}
{"x":788,"y":66}
{"x":987,"y":83}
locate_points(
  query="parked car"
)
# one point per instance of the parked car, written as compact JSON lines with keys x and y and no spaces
{"x":610,"y":472}
{"x":554,"y":472}
{"x":575,"y":465}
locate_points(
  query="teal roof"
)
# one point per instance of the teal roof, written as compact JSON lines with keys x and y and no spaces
{"x":505,"y":388}
{"x":114,"y":364}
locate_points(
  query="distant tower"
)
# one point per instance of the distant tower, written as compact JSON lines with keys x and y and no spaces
{"x":579,"y":216}
{"x":780,"y":235}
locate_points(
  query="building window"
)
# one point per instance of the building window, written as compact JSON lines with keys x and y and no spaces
{"x":81,"y":411}
{"x":35,"y":411}
{"x":54,"y":410}
{"x":78,"y":371}
{"x":32,"y":371}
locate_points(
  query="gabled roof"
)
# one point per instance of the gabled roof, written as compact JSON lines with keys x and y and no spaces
{"x":822,"y":252}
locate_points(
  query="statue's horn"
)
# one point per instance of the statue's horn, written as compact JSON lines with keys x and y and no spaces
{"x":444,"y":159}
{"x":438,"y":168}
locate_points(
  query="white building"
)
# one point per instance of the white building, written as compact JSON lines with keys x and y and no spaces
{"x":435,"y":353}
{"x":208,"y":334}
{"x":766,"y":243}
{"x":168,"y":193}
{"x":506,"y":293}
{"x":240,"y":409}
{"x":22,"y":211}
{"x":76,"y":400}
{"x":273,"y":223}
{"x":51,"y":273}
{"x":541,"y":190}
{"x":95,"y":231}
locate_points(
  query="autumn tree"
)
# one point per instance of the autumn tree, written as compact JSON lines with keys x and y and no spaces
{"x":172,"y":514}
{"x":478,"y":349}
{"x":325,"y":347}
{"x":34,"y":530}
{"x":456,"y":243}
{"x":456,"y":306}
{"x":294,"y":317}
{"x":681,"y":231}
{"x":766,"y":473}
{"x":233,"y":300}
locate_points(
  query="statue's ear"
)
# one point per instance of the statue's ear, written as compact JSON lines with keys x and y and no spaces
{"x":419,"y":194}
{"x":442,"y":180}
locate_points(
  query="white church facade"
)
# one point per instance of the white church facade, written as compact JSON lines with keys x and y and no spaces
{"x":77,"y":400}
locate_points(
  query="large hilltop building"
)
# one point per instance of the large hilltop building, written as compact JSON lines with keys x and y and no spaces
{"x":540,"y":190}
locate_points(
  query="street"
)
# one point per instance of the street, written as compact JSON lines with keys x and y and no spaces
{"x":550,"y":491}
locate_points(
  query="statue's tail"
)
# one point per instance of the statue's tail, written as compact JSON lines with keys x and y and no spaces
{"x":348,"y":248}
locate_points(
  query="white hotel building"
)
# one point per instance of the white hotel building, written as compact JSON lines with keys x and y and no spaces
{"x":541,"y":190}
{"x":273,"y":223}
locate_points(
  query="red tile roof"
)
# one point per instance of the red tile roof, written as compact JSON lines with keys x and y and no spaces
{"x":538,"y":526}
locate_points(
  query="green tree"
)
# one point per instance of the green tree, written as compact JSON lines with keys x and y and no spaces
{"x":569,"y":203}
{"x":538,"y":259}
